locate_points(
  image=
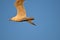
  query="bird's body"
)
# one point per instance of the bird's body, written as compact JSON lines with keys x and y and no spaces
{"x":21,"y":13}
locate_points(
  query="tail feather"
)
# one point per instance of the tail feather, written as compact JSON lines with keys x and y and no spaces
{"x":30,"y":21}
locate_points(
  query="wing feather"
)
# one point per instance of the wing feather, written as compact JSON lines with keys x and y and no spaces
{"x":21,"y":13}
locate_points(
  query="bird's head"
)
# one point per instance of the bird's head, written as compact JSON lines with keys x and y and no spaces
{"x":12,"y":19}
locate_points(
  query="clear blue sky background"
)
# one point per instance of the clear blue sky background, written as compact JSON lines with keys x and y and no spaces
{"x":47,"y":19}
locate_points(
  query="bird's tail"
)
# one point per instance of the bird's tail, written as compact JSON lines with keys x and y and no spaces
{"x":30,"y":21}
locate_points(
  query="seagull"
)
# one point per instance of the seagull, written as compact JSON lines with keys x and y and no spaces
{"x":21,"y":13}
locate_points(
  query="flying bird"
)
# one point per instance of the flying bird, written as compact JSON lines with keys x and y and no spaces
{"x":21,"y":13}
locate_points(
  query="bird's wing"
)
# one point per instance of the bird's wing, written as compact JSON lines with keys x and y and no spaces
{"x":21,"y":13}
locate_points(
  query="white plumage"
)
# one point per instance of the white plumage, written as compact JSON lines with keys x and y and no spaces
{"x":21,"y":13}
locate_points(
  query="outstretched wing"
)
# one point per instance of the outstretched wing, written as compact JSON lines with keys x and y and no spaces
{"x":21,"y":13}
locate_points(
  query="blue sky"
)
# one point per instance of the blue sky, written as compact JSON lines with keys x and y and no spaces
{"x":47,"y":19}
